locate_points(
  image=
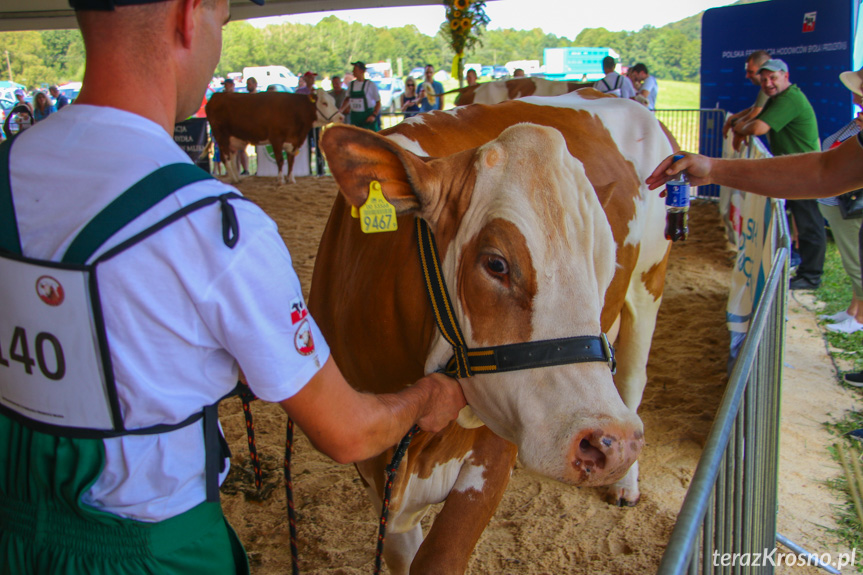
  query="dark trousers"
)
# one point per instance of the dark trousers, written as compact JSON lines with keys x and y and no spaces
{"x":315,"y":150}
{"x":811,"y":238}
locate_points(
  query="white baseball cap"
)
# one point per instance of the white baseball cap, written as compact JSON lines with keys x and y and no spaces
{"x":853,"y":81}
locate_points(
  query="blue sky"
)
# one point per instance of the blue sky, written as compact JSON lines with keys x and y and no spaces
{"x":560,"y":17}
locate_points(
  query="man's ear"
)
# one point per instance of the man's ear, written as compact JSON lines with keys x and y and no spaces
{"x":185,"y":19}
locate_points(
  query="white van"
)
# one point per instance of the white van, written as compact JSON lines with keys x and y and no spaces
{"x":267,"y":75}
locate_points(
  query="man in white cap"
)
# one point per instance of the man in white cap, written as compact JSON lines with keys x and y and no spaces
{"x":789,"y":122}
{"x":110,"y":448}
{"x":799,"y":176}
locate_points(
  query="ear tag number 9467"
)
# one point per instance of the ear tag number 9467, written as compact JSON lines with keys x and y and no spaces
{"x":377,"y":214}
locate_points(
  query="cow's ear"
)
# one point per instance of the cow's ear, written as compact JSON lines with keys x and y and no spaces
{"x":357,"y":157}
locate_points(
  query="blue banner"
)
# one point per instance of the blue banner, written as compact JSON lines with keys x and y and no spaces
{"x":816,"y":38}
{"x":191,"y":136}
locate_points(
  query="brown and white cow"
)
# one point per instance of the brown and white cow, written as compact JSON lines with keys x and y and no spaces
{"x":514,"y":88}
{"x":545,"y":231}
{"x":281,"y":119}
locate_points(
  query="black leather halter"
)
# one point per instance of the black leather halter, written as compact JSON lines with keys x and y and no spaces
{"x":511,"y":357}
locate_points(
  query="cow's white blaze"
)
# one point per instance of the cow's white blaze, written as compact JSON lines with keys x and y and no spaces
{"x":528,"y":177}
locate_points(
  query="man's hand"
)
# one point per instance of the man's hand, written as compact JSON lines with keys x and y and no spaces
{"x":697,"y":168}
{"x":370,"y":119}
{"x":445,"y":400}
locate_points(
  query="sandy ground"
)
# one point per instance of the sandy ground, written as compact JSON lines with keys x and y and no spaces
{"x":543,"y":527}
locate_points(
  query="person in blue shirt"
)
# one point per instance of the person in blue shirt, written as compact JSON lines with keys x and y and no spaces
{"x":431,"y":92}
{"x":42,"y":106}
{"x":60,"y":101}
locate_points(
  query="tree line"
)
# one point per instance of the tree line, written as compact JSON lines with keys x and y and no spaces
{"x":38,"y":58}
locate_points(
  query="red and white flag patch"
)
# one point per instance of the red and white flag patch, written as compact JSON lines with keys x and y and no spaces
{"x":298,"y":311}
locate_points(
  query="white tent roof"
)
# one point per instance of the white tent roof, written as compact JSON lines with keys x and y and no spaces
{"x":56,"y":14}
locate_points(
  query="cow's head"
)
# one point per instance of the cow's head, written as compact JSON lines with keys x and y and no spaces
{"x":527,"y":253}
{"x":327,"y":112}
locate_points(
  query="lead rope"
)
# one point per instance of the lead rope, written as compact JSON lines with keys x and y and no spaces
{"x":289,"y":495}
{"x":391,"y":470}
{"x":246,"y":396}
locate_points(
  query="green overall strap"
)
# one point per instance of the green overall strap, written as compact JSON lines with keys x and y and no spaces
{"x":145,"y":194}
{"x":9,"y":240}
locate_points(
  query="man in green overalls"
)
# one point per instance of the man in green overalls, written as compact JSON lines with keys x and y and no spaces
{"x":133,"y":292}
{"x":363,"y":101}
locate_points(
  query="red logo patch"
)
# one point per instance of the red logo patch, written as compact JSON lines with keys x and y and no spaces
{"x":298,"y":311}
{"x":809,"y":21}
{"x":50,"y":291}
{"x":303,"y":339}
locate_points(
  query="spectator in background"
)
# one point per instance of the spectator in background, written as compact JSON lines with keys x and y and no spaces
{"x":431,"y":91}
{"x":363,"y":101}
{"x":846,"y":232}
{"x":470,"y":77}
{"x":308,"y":87}
{"x":42,"y":106}
{"x":789,"y":122}
{"x":614,"y":83}
{"x":338,"y":91}
{"x":753,"y":74}
{"x":21,"y":99}
{"x":308,"y":83}
{"x":648,"y":90}
{"x":518,"y":73}
{"x":251,"y":85}
{"x":410,"y":101}
{"x":60,"y":101}
{"x":241,"y":156}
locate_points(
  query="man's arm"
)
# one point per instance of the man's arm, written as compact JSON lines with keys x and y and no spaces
{"x":734,"y":118}
{"x":753,"y":127}
{"x":797,"y":176}
{"x":350,"y":426}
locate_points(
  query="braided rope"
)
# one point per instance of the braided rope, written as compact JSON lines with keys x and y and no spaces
{"x":246,"y":396}
{"x":289,"y":495}
{"x":391,"y":470}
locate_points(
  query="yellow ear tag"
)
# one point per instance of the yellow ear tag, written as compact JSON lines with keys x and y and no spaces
{"x":377,"y":214}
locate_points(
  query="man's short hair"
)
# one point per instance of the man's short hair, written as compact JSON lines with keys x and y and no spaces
{"x":608,"y":63}
{"x":227,"y":81}
{"x":759,"y":57}
{"x":640,"y":68}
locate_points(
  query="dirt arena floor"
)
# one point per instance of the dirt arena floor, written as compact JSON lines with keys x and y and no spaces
{"x":543,"y":527}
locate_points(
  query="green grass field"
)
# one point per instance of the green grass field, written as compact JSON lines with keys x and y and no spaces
{"x":678,"y":95}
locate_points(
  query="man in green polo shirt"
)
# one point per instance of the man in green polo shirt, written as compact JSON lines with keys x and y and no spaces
{"x":789,"y":122}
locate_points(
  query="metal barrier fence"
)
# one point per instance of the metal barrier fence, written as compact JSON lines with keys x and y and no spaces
{"x":732,"y":502}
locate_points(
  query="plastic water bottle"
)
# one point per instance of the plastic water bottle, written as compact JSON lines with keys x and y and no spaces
{"x":677,"y":206}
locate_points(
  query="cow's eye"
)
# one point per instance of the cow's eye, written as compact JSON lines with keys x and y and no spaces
{"x":497,"y":266}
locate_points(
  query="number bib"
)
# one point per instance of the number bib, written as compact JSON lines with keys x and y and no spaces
{"x":51,"y":367}
{"x":358,"y":105}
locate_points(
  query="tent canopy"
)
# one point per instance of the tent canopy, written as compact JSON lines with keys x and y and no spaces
{"x":56,"y":14}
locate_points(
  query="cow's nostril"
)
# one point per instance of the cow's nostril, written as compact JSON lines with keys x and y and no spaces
{"x":590,"y":455}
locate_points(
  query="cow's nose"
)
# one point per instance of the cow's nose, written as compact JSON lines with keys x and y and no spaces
{"x":600,"y":456}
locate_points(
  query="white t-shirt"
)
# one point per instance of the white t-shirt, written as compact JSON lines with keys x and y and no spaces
{"x":652,"y":89}
{"x":614,"y":83}
{"x":179,"y":307}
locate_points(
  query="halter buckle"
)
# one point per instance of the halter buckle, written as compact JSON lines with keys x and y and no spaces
{"x":608,"y":351}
